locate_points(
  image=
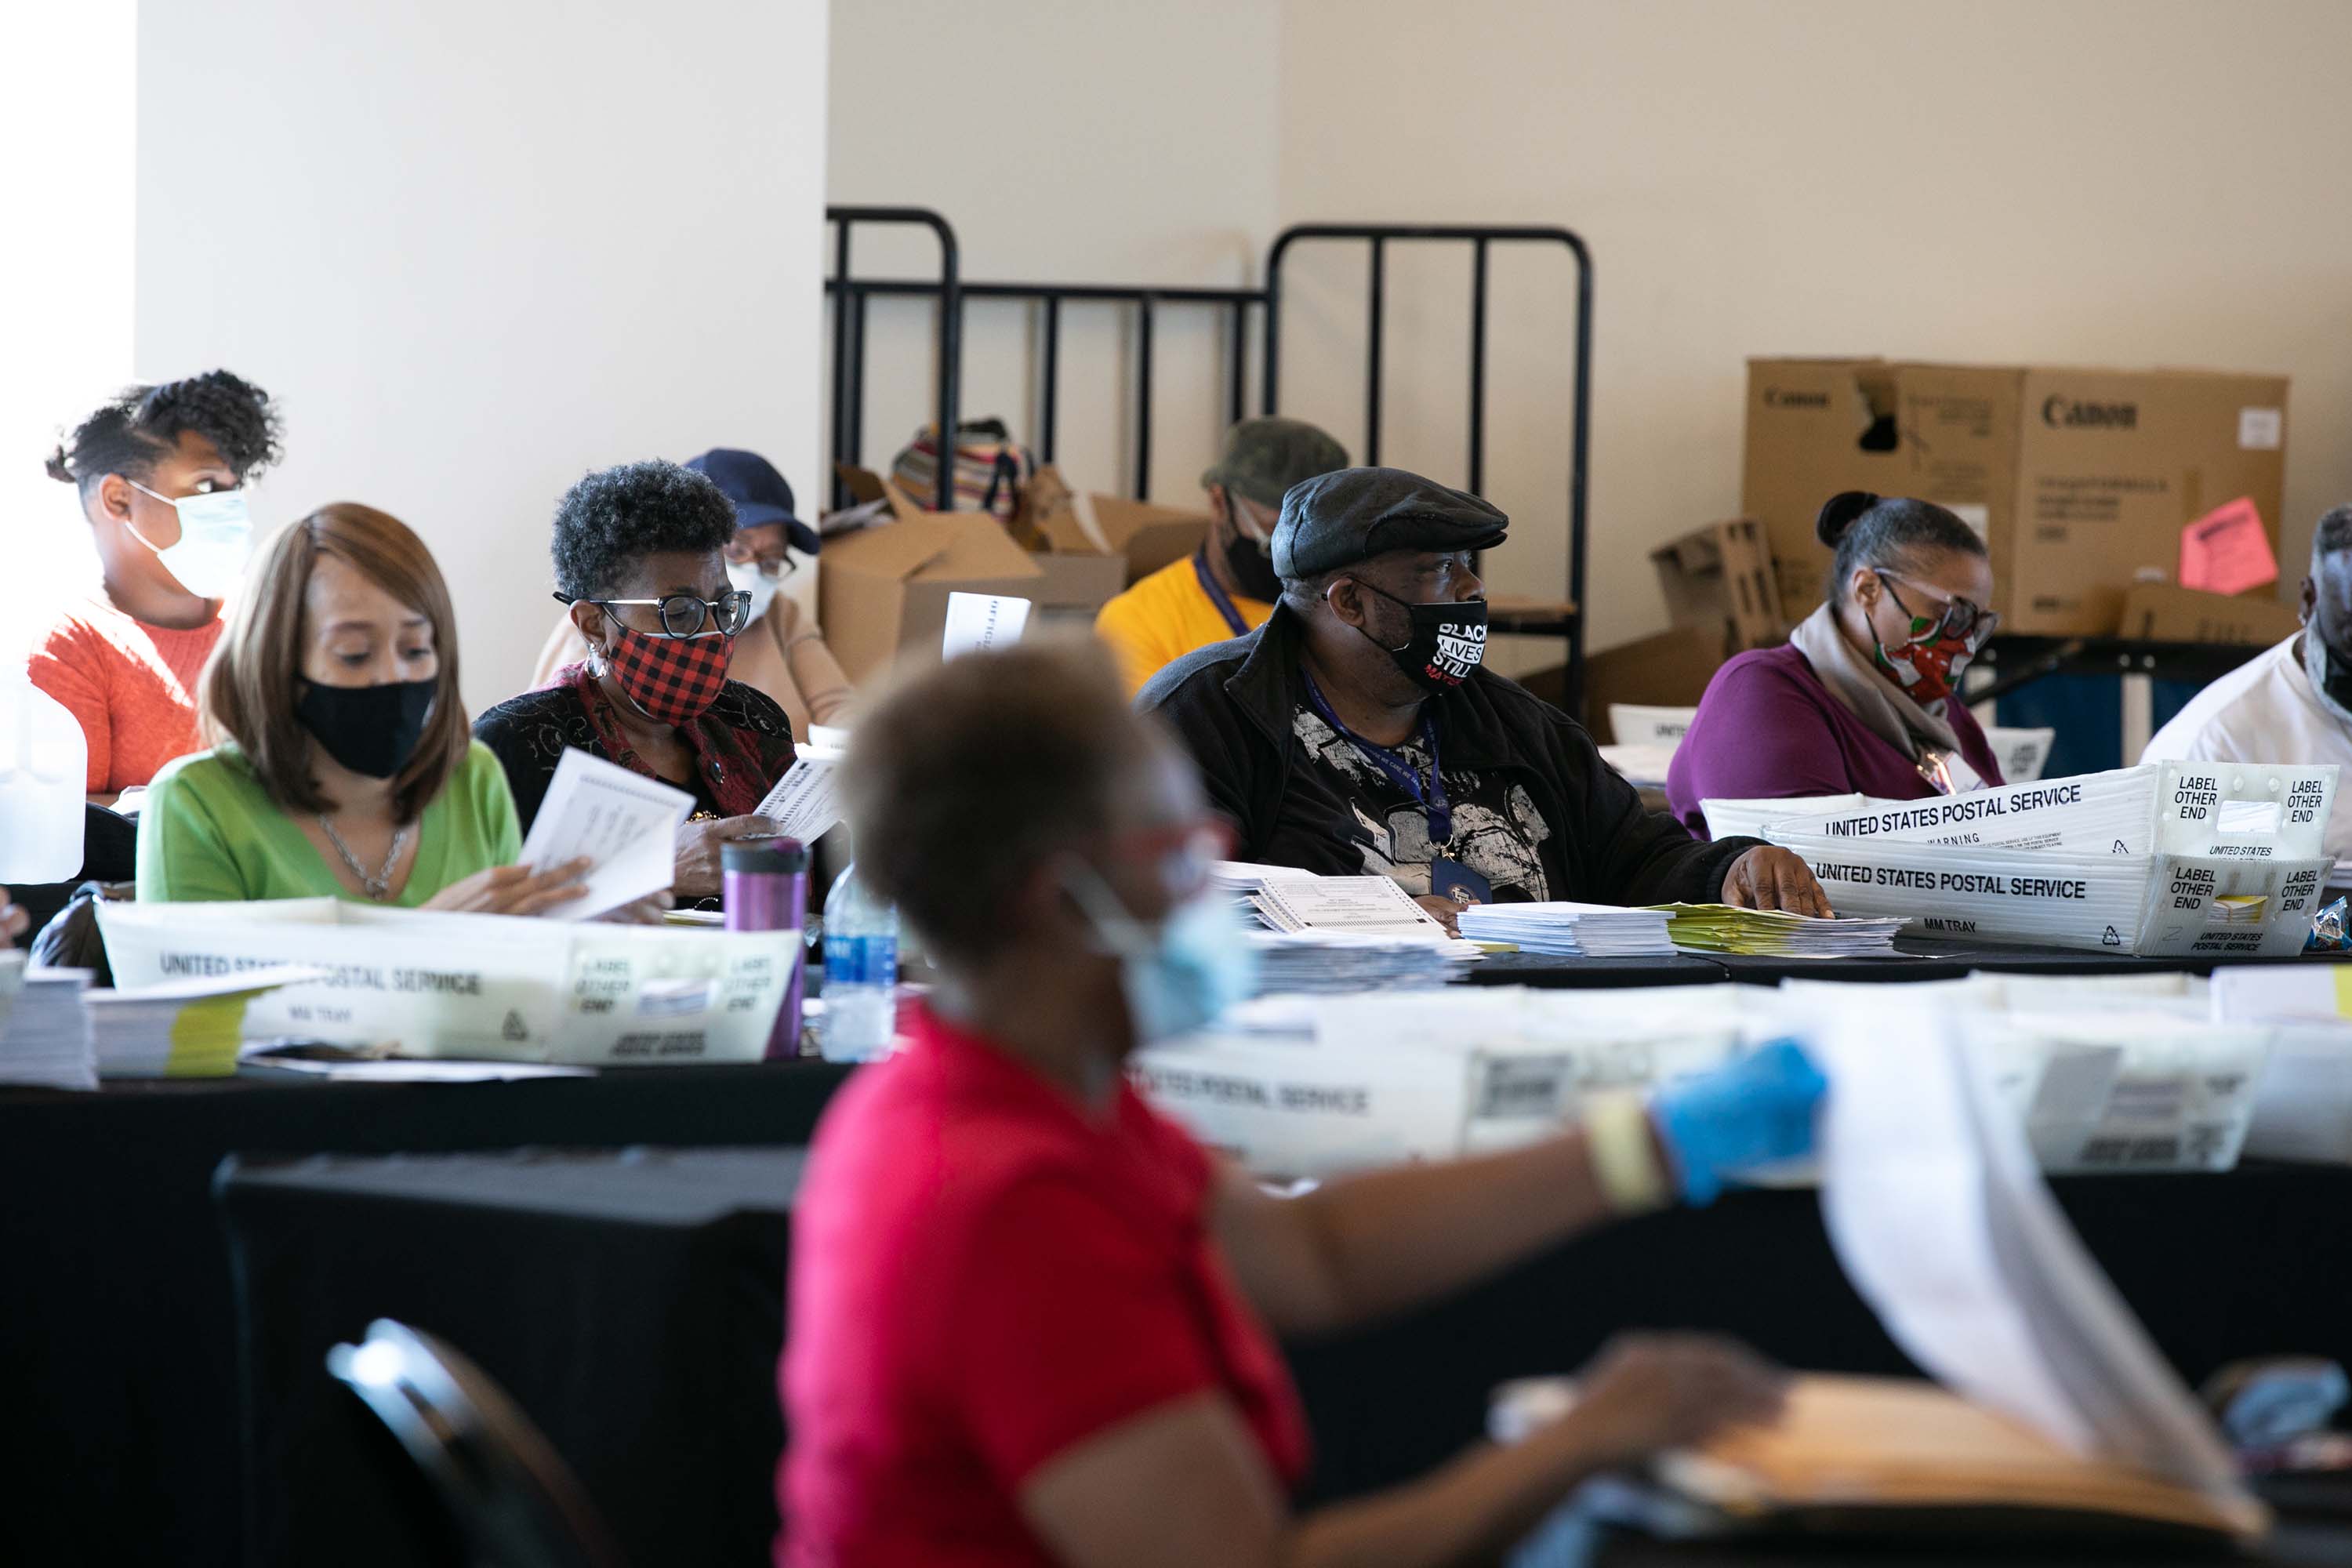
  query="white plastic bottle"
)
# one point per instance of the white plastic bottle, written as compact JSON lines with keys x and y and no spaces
{"x":861,"y":972}
{"x":43,"y":760}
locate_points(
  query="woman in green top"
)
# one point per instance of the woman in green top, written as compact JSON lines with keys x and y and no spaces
{"x":341,"y":761}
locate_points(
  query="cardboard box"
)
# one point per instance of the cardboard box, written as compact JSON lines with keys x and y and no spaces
{"x":1073,"y":585}
{"x":1145,"y":535}
{"x":1666,"y":669}
{"x":2081,"y":480}
{"x":882,"y":592}
{"x":2164,"y":612}
{"x":1721,"y":575}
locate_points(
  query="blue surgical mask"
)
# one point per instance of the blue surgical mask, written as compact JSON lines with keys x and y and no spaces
{"x":1179,"y":976}
{"x":216,"y":536}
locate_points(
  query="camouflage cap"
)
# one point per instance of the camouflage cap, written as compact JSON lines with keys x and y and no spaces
{"x":1265,"y":456}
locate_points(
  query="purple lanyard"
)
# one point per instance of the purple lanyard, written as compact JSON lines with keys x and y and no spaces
{"x":1216,"y":592}
{"x":1429,"y":796}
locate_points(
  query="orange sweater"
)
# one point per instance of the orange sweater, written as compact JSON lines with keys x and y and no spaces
{"x":132,"y":686}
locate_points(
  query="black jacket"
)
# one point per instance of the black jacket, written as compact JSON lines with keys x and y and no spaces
{"x":1232,"y":704}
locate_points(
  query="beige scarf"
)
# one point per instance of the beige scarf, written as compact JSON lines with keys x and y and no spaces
{"x":1870,"y":694}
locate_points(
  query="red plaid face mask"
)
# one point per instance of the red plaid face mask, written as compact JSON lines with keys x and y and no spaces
{"x":674,"y":679}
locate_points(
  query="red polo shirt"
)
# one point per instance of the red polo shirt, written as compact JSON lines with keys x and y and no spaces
{"x":985,"y":1276}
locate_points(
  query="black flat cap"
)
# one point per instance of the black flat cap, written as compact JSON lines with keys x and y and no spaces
{"x":1337,"y":519}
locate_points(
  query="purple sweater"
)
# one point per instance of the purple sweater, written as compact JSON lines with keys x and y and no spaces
{"x":1769,"y":727}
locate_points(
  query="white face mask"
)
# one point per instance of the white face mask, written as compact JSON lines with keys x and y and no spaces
{"x":749,"y":577}
{"x":216,"y":536}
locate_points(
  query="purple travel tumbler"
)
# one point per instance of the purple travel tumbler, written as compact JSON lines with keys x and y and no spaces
{"x":766,"y":888}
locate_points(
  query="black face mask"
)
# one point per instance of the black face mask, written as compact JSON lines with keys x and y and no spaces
{"x":1448,"y":641}
{"x":370,"y":729}
{"x":1251,"y":563}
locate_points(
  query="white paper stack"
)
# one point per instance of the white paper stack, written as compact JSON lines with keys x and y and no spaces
{"x":1639,"y":761}
{"x":1285,"y":899}
{"x":44,"y":1036}
{"x":183,"y":1029}
{"x":1572,"y":931}
{"x":1342,"y":962}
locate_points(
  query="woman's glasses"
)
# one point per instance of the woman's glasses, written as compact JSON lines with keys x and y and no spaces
{"x":684,"y":615}
{"x":1956,"y":618}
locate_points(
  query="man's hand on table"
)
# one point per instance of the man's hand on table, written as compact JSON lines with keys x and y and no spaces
{"x":1771,"y":878}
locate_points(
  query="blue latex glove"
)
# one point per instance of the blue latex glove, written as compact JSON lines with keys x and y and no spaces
{"x":1754,"y":1111}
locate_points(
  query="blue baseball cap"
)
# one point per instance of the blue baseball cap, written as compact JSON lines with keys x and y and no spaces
{"x":760,"y":495}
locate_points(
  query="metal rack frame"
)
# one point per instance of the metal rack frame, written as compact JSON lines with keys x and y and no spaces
{"x":1568,"y":626}
{"x":850,"y":295}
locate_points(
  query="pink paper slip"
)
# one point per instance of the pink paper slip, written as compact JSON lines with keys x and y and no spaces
{"x":2226,"y":550}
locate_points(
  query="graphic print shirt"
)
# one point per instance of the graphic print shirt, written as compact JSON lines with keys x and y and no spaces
{"x":1497,"y":829}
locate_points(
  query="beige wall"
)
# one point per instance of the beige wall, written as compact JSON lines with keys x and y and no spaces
{"x":2130,"y":182}
{"x":1068,"y":141}
{"x":477,"y":250}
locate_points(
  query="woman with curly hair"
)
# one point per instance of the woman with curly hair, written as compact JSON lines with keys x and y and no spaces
{"x":640,"y":557}
{"x":162,"y":471}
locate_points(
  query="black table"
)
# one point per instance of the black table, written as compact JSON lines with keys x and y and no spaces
{"x":1918,"y":958}
{"x":2219,"y":1268}
{"x":115,"y":1307}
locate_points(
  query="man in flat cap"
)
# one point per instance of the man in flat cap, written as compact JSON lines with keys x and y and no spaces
{"x":1227,"y":587}
{"x":1358,"y":730}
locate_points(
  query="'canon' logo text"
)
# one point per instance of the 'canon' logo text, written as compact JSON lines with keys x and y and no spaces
{"x":2057,"y":410}
{"x":1777,"y":398}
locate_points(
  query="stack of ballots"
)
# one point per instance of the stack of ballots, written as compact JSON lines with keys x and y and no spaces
{"x":183,"y":1029}
{"x":1572,"y":931}
{"x":45,"y":1034}
{"x":1283,"y":898}
{"x":1340,"y":962}
{"x":1780,"y":933}
{"x":1338,"y":933}
{"x":2188,"y":859}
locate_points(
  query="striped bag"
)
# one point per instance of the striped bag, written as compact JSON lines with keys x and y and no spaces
{"x":989,"y":468}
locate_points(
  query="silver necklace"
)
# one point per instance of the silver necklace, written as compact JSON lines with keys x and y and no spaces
{"x":379,"y":886}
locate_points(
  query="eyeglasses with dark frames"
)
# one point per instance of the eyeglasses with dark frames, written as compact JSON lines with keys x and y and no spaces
{"x":684,"y":615}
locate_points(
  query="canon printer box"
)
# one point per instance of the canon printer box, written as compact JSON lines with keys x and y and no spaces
{"x":2080,"y":481}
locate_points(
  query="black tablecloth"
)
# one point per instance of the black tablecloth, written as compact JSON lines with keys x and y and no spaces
{"x":115,"y":1309}
{"x":1919,"y":958}
{"x":628,"y":1292}
{"x":2219,"y":1268}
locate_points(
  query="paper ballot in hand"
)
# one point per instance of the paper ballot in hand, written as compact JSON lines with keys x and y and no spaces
{"x":624,"y":823}
{"x":806,"y":802}
{"x":980,"y":621}
{"x":1946,"y":1227}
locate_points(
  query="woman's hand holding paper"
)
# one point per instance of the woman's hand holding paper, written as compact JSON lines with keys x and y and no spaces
{"x":513,"y":889}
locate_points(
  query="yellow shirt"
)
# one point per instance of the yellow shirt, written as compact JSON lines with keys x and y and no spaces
{"x":1165,"y":616}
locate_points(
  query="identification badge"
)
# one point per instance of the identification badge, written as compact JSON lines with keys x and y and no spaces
{"x":1459,"y":885}
{"x":1947,"y":773}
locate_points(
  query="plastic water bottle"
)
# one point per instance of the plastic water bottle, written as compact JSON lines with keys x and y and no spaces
{"x":861,"y":972}
{"x":43,"y":760}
